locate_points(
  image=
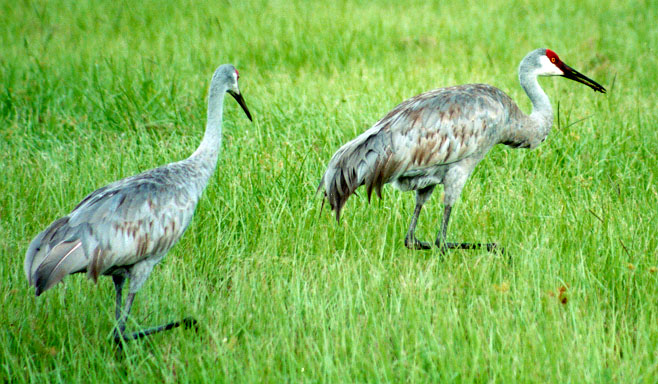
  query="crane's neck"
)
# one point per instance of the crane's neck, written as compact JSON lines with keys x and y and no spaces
{"x":530,"y":131}
{"x":541,"y":105}
{"x":208,"y":150}
{"x":202,"y":163}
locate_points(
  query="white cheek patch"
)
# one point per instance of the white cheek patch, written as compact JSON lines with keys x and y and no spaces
{"x":547,"y":68}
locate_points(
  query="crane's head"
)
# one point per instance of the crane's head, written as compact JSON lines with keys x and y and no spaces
{"x":549,"y":64}
{"x":226,"y":77}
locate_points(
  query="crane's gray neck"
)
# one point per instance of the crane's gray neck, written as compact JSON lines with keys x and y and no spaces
{"x":212,"y":138}
{"x":201,"y":165}
{"x":541,"y":105}
{"x":530,"y":131}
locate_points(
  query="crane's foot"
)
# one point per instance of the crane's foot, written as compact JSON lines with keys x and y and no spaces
{"x":412,"y":242}
{"x":490,"y":247}
{"x":187,"y":323}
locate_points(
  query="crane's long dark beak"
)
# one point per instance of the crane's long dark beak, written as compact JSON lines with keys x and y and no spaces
{"x":572,"y":74}
{"x":238,"y":97}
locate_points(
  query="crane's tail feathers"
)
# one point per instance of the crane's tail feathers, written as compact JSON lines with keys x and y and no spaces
{"x":54,"y":253}
{"x":323,"y":199}
{"x":32,"y":251}
{"x":65,"y":258}
{"x":384,"y":168}
{"x":337,"y":189}
{"x":357,"y":163}
{"x":40,"y":246}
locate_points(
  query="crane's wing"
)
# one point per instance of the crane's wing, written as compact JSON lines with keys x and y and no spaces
{"x":116,"y":225}
{"x":434,"y":128}
{"x":440,"y":127}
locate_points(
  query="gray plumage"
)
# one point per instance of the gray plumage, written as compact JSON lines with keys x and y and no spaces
{"x":438,"y":137}
{"x":125,"y":228}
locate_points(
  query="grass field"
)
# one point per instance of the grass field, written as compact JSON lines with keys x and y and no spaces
{"x":95,"y":91}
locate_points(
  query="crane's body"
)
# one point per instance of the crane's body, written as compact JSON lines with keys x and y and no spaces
{"x":130,"y":223}
{"x":439,"y":137}
{"x":125,"y":228}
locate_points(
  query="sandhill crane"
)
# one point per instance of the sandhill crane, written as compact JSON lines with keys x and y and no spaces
{"x":438,"y":137}
{"x":125,"y":228}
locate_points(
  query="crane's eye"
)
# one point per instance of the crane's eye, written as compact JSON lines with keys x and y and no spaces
{"x":552,"y":59}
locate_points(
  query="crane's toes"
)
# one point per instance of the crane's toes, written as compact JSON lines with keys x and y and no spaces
{"x":444,"y":247}
{"x":190,"y":322}
{"x":493,"y":247}
{"x":415,"y":244}
{"x":490,"y":247}
{"x":120,"y":336}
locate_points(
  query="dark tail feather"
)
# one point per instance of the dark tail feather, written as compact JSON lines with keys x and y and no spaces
{"x":63,"y":259}
{"x":40,"y":246}
{"x":337,"y":190}
{"x":361,"y":162}
{"x":53,"y":254}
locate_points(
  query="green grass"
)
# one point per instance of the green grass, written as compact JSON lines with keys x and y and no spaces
{"x":95,"y":91}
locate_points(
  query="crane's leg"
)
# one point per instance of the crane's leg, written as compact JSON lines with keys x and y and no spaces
{"x":410,"y":241}
{"x":453,"y":184}
{"x":119,"y":279}
{"x":137,"y":279}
